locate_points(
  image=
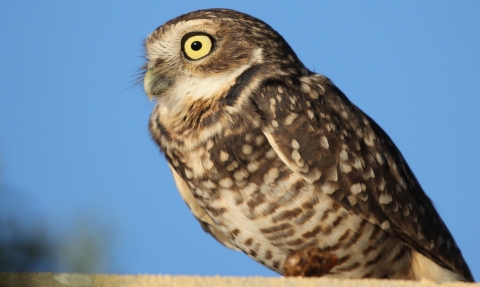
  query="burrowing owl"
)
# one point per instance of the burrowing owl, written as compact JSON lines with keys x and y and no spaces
{"x":273,"y":158}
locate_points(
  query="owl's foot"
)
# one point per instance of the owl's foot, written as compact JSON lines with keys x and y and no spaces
{"x":309,"y":262}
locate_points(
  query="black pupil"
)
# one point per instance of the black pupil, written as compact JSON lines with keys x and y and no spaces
{"x":196,"y":46}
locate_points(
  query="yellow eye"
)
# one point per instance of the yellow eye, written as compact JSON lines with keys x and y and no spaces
{"x":197,"y":46}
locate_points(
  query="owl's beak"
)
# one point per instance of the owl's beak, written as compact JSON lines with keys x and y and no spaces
{"x":155,"y":83}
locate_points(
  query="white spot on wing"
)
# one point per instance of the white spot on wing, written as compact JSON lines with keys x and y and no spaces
{"x":259,"y":140}
{"x":272,"y":107}
{"x":250,"y":188}
{"x":270,"y":154}
{"x":380,"y":158}
{"x":310,"y":114}
{"x":345,"y":168}
{"x":385,"y":225}
{"x":208,"y":184}
{"x":290,"y":118}
{"x":209,"y":145}
{"x":224,"y":156}
{"x":352,"y":199}
{"x":355,"y":188}
{"x":233,"y":165}
{"x":328,"y":188}
{"x":381,"y":184}
{"x":384,"y":198}
{"x":247,"y":149}
{"x":240,"y":174}
{"x":295,"y":144}
{"x":270,"y":176}
{"x":207,"y":163}
{"x":226,"y":182}
{"x":175,"y":162}
{"x":297,"y":158}
{"x":253,"y":166}
{"x":369,"y":139}
{"x":314,"y":175}
{"x":357,"y":163}
{"x":370,"y":174}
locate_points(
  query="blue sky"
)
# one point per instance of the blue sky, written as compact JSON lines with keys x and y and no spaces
{"x":73,"y":123}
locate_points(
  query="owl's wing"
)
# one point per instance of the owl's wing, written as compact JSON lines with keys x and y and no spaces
{"x":320,"y":134}
{"x":205,"y":221}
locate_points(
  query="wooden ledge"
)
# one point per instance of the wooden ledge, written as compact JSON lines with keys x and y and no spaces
{"x":94,"y":280}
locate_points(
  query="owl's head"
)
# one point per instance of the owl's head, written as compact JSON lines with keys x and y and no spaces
{"x":202,"y":53}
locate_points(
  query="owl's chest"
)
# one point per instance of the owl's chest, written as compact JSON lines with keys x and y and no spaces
{"x":233,"y":169}
{"x":233,"y":172}
{"x":225,"y":162}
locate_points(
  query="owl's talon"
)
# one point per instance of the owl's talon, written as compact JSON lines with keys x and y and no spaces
{"x":309,"y":262}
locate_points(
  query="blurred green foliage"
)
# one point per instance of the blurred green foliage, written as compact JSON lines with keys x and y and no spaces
{"x":28,"y":244}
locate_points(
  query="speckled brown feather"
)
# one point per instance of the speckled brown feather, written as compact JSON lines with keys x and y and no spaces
{"x":370,"y":174}
{"x":277,"y":159}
